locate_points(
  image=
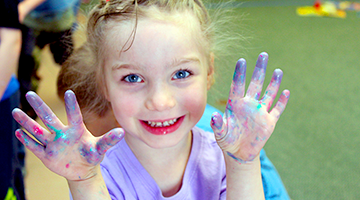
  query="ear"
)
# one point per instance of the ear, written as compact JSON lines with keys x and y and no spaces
{"x":104,"y":89}
{"x":210,"y":76}
{"x":105,"y":93}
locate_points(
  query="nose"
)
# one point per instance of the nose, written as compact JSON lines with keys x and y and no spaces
{"x":160,"y":98}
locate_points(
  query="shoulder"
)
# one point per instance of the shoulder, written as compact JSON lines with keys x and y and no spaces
{"x":205,"y":138}
{"x":210,"y":155}
{"x":115,"y":173}
{"x":114,"y":154}
{"x":206,"y":172}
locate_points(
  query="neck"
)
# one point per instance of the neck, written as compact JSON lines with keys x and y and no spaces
{"x":167,"y":165}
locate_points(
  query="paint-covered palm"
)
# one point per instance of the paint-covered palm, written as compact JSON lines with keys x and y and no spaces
{"x":70,"y":151}
{"x":247,"y":123}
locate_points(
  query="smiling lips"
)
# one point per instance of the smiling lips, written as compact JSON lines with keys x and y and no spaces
{"x":162,"y":128}
{"x":162,"y":124}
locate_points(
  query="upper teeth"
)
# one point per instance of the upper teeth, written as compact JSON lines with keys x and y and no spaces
{"x":162,"y":124}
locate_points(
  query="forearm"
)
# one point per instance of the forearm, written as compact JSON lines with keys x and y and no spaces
{"x":31,"y":4}
{"x":27,"y":6}
{"x":92,"y":188}
{"x":10,"y":48}
{"x":243,"y":180}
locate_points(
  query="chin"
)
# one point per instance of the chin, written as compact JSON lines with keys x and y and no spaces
{"x":165,"y":141}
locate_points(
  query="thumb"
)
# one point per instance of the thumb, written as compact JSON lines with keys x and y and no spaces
{"x":217,"y":124}
{"x":109,"y":139}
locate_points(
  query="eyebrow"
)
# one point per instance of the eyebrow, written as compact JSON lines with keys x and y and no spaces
{"x":124,"y":66}
{"x":175,"y":63}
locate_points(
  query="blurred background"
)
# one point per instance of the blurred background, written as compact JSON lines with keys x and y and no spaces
{"x":315,"y":144}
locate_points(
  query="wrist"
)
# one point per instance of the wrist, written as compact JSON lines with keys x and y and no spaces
{"x":90,"y":188}
{"x":235,"y":163}
{"x":92,"y":176}
{"x":243,"y":179}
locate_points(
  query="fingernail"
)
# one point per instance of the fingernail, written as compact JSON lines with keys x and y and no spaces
{"x":18,"y":133}
{"x":286,"y":93}
{"x":240,"y":71}
{"x":262,"y":60}
{"x":16,"y":115}
{"x":31,"y":98}
{"x":263,"y":56}
{"x":278,"y":74}
{"x":117,"y":134}
{"x":70,"y":99}
{"x":215,"y":121}
{"x":15,"y":112}
{"x":260,"y":68}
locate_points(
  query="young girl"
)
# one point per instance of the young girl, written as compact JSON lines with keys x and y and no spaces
{"x":153,"y":65}
{"x":99,"y":121}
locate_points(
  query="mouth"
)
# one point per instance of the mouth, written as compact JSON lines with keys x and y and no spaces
{"x":162,"y":127}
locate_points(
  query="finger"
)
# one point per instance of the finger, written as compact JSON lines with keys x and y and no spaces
{"x":44,"y":112}
{"x":95,"y":155}
{"x":238,"y":83}
{"x":281,"y":104}
{"x":72,"y":109}
{"x":109,"y":139}
{"x":258,"y":77}
{"x":272,"y":89}
{"x":30,"y":143}
{"x":217,"y":124}
{"x":31,"y":126}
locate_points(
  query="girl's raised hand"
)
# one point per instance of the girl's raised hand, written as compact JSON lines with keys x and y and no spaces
{"x":70,"y":151}
{"x":247,"y":123}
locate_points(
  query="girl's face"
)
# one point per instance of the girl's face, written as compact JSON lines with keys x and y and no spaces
{"x":158,"y":87}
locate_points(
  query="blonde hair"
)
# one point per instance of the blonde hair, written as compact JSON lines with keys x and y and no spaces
{"x":83,"y":71}
{"x":78,"y":75}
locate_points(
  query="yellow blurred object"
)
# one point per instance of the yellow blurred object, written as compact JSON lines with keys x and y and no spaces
{"x":327,"y":9}
{"x":344,"y":5}
{"x":10,"y":195}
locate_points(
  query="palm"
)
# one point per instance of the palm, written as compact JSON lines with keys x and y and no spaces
{"x":75,"y":160}
{"x":247,"y":125}
{"x":70,"y":151}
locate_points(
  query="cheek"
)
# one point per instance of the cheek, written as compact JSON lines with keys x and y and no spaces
{"x":196,"y":100}
{"x":123,"y":107}
{"x":122,"y":103}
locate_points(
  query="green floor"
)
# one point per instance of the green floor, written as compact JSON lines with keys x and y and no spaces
{"x":315,"y":146}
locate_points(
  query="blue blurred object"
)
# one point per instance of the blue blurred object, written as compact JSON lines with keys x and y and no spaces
{"x":274,"y":188}
{"x":53,"y":15}
{"x":12,"y":87}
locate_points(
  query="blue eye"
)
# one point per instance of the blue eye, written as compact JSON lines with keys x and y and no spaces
{"x":132,"y":78}
{"x":181,"y":74}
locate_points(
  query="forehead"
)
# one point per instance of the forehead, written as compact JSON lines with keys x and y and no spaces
{"x":153,"y":30}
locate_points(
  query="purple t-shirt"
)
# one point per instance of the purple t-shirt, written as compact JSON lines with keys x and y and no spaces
{"x":204,"y":178}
